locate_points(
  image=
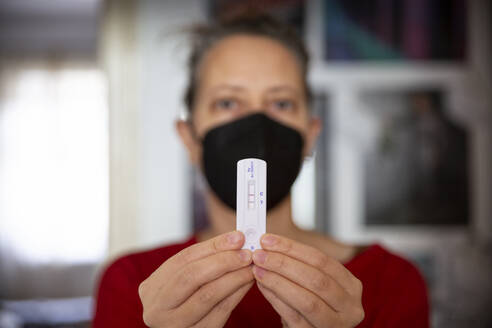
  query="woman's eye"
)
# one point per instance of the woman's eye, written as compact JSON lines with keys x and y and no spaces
{"x":226,"y":104}
{"x":283,"y":105}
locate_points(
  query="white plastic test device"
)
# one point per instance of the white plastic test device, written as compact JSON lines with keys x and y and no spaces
{"x":251,"y":201}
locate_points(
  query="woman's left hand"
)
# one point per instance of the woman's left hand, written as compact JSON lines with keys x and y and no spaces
{"x":305,"y":286}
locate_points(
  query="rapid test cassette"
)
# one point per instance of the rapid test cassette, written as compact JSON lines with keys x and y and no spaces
{"x":251,"y":201}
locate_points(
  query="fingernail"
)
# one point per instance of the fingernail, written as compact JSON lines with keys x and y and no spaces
{"x":258,"y":272}
{"x":259,"y":256}
{"x":245,"y":255}
{"x":269,"y":240}
{"x":234,"y":237}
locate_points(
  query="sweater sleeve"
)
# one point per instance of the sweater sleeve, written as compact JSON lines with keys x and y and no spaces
{"x":415,"y":300}
{"x":118,"y":303}
{"x":408,"y":305}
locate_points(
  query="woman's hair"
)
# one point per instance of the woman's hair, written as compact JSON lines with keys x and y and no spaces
{"x":204,"y":36}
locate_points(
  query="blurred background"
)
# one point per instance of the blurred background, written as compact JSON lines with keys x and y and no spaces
{"x":91,"y":167}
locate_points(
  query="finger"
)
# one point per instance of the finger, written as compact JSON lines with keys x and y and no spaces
{"x":196,"y":274}
{"x":203,"y":300}
{"x":304,"y":275}
{"x":222,"y":311}
{"x":291,"y":317}
{"x":311,"y":256}
{"x":312,"y":308}
{"x":228,"y":241}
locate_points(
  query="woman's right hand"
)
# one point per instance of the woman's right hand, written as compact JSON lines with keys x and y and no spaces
{"x":198,"y":286}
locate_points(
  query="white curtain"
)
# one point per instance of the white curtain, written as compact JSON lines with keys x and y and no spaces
{"x":53,"y":163}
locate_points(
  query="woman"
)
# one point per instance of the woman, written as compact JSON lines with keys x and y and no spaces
{"x":248,"y":97}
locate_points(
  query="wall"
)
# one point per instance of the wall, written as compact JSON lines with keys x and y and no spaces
{"x":144,"y":54}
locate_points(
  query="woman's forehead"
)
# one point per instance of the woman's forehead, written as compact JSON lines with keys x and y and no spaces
{"x":243,"y":60}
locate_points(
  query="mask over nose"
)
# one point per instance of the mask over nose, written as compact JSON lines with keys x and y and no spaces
{"x":256,"y":136}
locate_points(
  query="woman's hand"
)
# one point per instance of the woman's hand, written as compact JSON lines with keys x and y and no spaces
{"x":306,"y":287}
{"x":198,"y":286}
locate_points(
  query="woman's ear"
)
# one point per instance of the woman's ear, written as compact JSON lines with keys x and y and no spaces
{"x":186,"y":135}
{"x":312,"y":135}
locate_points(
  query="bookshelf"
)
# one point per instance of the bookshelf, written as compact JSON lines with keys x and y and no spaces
{"x":443,"y":252}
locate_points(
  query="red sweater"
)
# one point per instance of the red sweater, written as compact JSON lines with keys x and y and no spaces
{"x":394,"y":293}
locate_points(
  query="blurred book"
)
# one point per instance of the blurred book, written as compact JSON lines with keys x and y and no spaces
{"x":395,"y":30}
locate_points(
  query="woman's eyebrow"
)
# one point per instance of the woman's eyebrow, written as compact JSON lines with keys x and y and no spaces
{"x":282,"y":88}
{"x":239,"y":88}
{"x":231,"y":87}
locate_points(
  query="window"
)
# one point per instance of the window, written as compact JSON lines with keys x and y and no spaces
{"x":53,"y":162}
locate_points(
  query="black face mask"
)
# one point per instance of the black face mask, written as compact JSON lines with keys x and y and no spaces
{"x":255,"y":136}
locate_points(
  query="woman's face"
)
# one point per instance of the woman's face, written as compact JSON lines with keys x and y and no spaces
{"x":242,"y":75}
